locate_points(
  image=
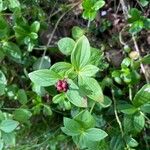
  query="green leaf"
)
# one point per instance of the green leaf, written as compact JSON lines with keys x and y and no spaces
{"x":106,"y":103}
{"x":94,"y":134}
{"x":4,"y":28}
{"x":88,"y":71}
{"x":136,"y":27}
{"x":3,"y":83}
{"x":126,"y":62}
{"x":35,"y":26}
{"x":22,"y":115}
{"x":14,"y":3}
{"x":75,"y":96}
{"x":62,"y":68}
{"x":44,"y":77}
{"x":71,"y":127}
{"x":9,"y":138}
{"x":138,"y":122}
{"x":33,"y":36}
{"x":90,"y":8}
{"x":1,"y":5}
{"x":66,"y":45}
{"x":1,"y":144}
{"x":127,"y":108}
{"x":146,"y":59}
{"x":96,"y":57}
{"x":47,"y":110}
{"x":22,"y":97}
{"x":77,"y":32}
{"x":99,"y":4}
{"x":135,"y":15}
{"x":91,"y":88}
{"x":117,"y":143}
{"x":2,"y":78}
{"x":89,"y":15}
{"x":144,"y":2}
{"x":8,"y":125}
{"x":131,"y":142}
{"x":142,"y":96}
{"x":12,"y":51}
{"x":80,"y":140}
{"x":81,"y":53}
{"x":145,"y":108}
{"x":58,"y":98}
{"x":42,"y":63}
{"x":85,"y":119}
{"x":2,"y":89}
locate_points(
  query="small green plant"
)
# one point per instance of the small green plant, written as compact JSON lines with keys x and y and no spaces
{"x":74,"y":81}
{"x":91,"y":8}
{"x":61,"y":93}
{"x":137,"y":21}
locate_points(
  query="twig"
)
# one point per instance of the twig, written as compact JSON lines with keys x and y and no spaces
{"x":138,"y":51}
{"x":88,"y":25}
{"x":120,"y":36}
{"x":116,"y":114}
{"x":124,"y":8}
{"x":53,"y":32}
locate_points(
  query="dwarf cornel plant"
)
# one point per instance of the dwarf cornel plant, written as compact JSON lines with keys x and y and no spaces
{"x":74,"y":75}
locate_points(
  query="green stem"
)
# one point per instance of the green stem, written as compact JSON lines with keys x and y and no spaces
{"x":130,"y":93}
{"x":88,"y":25}
{"x":92,"y":107}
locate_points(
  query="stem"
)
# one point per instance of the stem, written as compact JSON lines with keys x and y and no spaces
{"x":92,"y":107}
{"x":130,"y":93}
{"x":142,"y":66}
{"x":116,"y":114}
{"x":89,"y":23}
{"x":53,"y":32}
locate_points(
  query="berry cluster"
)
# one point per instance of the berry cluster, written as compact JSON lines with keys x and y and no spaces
{"x":62,"y":86}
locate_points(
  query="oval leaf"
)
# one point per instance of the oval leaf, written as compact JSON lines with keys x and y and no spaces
{"x":8,"y":125}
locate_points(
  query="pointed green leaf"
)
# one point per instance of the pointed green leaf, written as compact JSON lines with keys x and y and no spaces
{"x":44,"y":77}
{"x":91,"y":88}
{"x":81,"y":53}
{"x":142,"y":96}
{"x":75,"y":96}
{"x":86,"y":119}
{"x":94,"y":134}
{"x":71,"y":127}
{"x":88,"y":71}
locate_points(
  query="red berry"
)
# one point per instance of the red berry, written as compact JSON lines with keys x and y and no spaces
{"x":59,"y":88}
{"x":64,"y":84}
{"x":59,"y":83}
{"x":65,"y":89}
